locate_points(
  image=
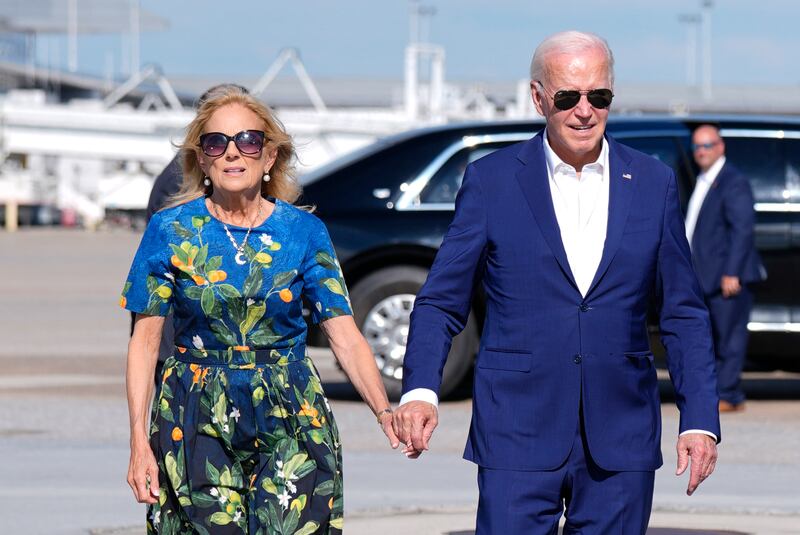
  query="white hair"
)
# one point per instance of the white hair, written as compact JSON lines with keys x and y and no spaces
{"x":569,"y":42}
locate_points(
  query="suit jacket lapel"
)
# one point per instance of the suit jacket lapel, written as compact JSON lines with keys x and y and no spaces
{"x":622,"y":184}
{"x":533,"y":181}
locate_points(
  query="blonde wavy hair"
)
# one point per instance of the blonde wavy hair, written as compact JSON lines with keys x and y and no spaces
{"x":282,"y":185}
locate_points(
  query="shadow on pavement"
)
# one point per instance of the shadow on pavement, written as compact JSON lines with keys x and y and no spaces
{"x":771,"y":388}
{"x":652,"y":531}
{"x":673,"y":531}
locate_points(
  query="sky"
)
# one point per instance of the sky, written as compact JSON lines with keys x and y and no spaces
{"x":754,"y":42}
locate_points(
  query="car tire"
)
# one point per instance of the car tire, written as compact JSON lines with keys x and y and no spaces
{"x":382,"y":303}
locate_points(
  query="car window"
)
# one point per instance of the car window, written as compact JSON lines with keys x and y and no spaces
{"x":771,"y":164}
{"x":669,"y":150}
{"x":444,"y":184}
{"x":390,"y":168}
{"x":664,"y":149}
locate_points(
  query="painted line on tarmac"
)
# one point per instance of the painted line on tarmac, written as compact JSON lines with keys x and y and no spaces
{"x":15,"y":382}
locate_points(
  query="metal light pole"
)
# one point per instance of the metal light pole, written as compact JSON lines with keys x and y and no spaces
{"x":693,"y":24}
{"x":134,"y":21}
{"x":707,"y":5}
{"x":419,"y":50}
{"x":419,"y":24}
{"x":72,"y":35}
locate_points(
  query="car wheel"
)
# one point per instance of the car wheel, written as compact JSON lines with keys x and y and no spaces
{"x":382,"y":304}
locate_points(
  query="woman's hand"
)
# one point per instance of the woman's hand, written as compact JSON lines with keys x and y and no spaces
{"x":388,"y":430}
{"x":143,"y":473}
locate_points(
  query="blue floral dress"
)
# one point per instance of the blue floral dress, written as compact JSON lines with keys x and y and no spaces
{"x":244,"y":436}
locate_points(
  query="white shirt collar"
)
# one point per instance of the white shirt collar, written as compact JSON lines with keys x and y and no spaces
{"x":556,"y":164}
{"x":711,"y":175}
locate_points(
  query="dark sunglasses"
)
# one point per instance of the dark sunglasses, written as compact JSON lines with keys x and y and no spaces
{"x":566,"y":99}
{"x":247,"y":141}
{"x":708,"y":146}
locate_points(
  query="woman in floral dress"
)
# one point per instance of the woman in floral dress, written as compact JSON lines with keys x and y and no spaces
{"x":241,"y":437}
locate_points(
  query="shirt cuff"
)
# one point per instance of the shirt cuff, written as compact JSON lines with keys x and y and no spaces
{"x":701,"y":431}
{"x":420,"y":394}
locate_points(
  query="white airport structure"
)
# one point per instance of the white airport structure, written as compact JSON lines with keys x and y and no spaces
{"x":87,"y":156}
{"x":84,"y":147}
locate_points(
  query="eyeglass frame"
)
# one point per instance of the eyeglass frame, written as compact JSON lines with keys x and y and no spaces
{"x":583,"y":92}
{"x":228,"y":140}
{"x":705,"y":146}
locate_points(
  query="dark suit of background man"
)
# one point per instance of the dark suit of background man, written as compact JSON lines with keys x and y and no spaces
{"x":572,"y":236}
{"x":719,"y":226}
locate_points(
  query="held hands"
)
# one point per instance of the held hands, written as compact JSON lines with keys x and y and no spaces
{"x":414,"y":423}
{"x":730,"y":286}
{"x":385,"y":419}
{"x":143,"y":473}
{"x":702,"y":450}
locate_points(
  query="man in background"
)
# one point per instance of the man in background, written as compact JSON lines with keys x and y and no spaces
{"x":719,"y":227}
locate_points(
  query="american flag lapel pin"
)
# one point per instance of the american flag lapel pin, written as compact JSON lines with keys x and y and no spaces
{"x":626,"y":176}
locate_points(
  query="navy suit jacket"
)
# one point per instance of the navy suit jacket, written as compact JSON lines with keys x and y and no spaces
{"x":723,"y":241}
{"x":547,"y":353}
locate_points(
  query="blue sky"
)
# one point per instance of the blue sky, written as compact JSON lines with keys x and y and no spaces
{"x":755,"y":42}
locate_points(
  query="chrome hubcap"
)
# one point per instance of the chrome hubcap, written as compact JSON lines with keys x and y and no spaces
{"x":386,"y":331}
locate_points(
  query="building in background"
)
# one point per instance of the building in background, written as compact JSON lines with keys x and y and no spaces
{"x":85,"y":149}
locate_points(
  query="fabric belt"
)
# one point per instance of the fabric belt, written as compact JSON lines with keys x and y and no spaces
{"x":240,"y":358}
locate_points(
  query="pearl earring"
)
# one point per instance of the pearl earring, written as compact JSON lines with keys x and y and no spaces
{"x":267,"y":178}
{"x":206,"y":181}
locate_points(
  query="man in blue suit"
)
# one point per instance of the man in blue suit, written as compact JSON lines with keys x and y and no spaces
{"x":572,"y":236}
{"x":720,"y":221}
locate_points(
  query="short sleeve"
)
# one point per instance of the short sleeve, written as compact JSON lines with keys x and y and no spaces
{"x":323,"y":283}
{"x":150,"y":283}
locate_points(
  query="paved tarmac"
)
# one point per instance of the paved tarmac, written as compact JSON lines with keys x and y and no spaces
{"x":64,"y":431}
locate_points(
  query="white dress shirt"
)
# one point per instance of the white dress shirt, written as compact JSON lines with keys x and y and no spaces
{"x":704,"y":181}
{"x":581,"y":208}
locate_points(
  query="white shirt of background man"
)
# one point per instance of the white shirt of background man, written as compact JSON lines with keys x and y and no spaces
{"x":704,"y":181}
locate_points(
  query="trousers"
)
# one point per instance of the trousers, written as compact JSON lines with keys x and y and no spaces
{"x":729,"y":318}
{"x":594,"y":501}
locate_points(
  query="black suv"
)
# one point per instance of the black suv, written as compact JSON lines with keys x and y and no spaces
{"x":388,"y":205}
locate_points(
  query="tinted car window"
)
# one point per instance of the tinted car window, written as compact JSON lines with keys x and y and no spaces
{"x":389,"y":168}
{"x":664,"y":149}
{"x":772,"y":165}
{"x":444,"y":184}
{"x":668,"y":150}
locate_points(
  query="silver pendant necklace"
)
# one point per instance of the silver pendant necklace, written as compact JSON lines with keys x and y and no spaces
{"x":239,"y":247}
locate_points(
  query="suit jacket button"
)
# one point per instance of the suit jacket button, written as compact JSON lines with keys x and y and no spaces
{"x":577,"y":359}
{"x":584,"y":307}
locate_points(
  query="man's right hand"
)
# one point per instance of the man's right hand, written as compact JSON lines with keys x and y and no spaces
{"x":730,"y":286}
{"x":414,"y":423}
